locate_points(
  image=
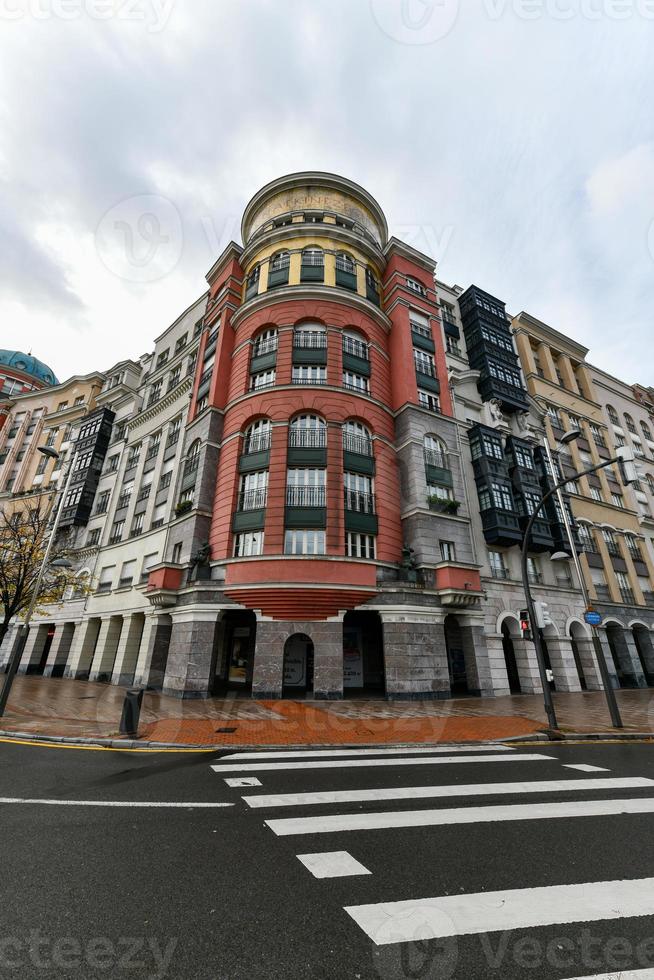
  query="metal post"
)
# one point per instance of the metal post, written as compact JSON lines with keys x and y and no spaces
{"x":611,"y":700}
{"x":542,"y":669}
{"x":19,"y":647}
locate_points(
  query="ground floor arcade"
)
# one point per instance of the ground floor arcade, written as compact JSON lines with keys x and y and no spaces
{"x":393,"y":652}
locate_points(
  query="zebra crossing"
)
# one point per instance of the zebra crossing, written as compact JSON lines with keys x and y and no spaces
{"x":361,"y":816}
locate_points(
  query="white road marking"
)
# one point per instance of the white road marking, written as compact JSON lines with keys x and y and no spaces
{"x":420,"y":792}
{"x":382,"y":750}
{"x":439,"y":818}
{"x":521,"y":908}
{"x":244,"y":781}
{"x":116,"y":803}
{"x":582,"y":767}
{"x":357,"y":763}
{"x":620,"y":975}
{"x":332,"y":864}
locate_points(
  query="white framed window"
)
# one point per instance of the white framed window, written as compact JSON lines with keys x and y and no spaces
{"x":424,"y":362}
{"x":253,"y":490}
{"x":127,"y":573}
{"x":310,"y":336}
{"x":106,"y":578}
{"x":497,"y":566}
{"x":304,"y":542}
{"x":435,"y":451}
{"x":265,"y":342}
{"x":257,"y":436}
{"x":437,"y":490}
{"x":420,"y":324}
{"x":263,"y":379}
{"x":307,"y":431}
{"x":595,"y":493}
{"x":429,"y":400}
{"x":305,"y":487}
{"x":452,"y":345}
{"x":356,"y":382}
{"x":309,"y":374}
{"x":355,"y":343}
{"x":357,"y":438}
{"x":149,"y":561}
{"x":360,"y":545}
{"x":248,"y":544}
{"x":448,"y":550}
{"x":415,"y":286}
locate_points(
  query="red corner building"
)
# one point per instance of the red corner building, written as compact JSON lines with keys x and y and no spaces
{"x":328,"y":531}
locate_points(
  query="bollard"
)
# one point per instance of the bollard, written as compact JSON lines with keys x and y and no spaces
{"x":129,"y":721}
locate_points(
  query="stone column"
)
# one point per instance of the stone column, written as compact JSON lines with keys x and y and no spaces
{"x":643,"y":641}
{"x":106,"y":647}
{"x":7,"y":646}
{"x":476,"y":657}
{"x":128,"y":650}
{"x":268,"y":672}
{"x":527,"y":663}
{"x":628,"y":658}
{"x":564,"y":668}
{"x":589,"y":665}
{"x":145,"y":650}
{"x":415,"y":656}
{"x":36,"y":639}
{"x":608,"y":658}
{"x":497,"y":675}
{"x":59,"y":651}
{"x":83,"y":648}
{"x":190,"y":665}
{"x":327,"y":640}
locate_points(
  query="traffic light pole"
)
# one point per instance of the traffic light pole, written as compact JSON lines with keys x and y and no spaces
{"x":540,"y":657}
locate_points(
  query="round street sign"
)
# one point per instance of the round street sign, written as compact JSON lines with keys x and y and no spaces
{"x":592,"y":618}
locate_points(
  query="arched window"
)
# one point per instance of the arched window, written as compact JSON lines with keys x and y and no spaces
{"x":257,"y":436}
{"x":435,"y":451}
{"x":372,"y":287}
{"x":612,"y":414}
{"x":278,"y":270}
{"x":312,"y":336}
{"x":646,"y":431}
{"x":346,"y":271}
{"x":357,"y":438}
{"x":252,"y":284}
{"x":313,"y":265}
{"x":629,"y":422}
{"x":192,"y":457}
{"x":355,"y":343}
{"x":265,"y":342}
{"x":307,"y":431}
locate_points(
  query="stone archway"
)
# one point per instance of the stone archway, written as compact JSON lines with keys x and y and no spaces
{"x":456,"y":659}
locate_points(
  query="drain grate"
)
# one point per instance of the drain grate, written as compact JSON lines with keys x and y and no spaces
{"x":225,"y":731}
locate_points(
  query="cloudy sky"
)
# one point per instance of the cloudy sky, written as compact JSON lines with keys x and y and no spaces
{"x":511,"y":139}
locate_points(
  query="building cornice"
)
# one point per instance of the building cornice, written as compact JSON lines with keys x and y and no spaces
{"x":531,"y":326}
{"x":311,"y":230}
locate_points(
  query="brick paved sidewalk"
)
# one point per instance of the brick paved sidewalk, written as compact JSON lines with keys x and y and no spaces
{"x":50,"y":706}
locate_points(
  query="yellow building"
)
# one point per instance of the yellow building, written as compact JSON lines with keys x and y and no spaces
{"x":616,"y":561}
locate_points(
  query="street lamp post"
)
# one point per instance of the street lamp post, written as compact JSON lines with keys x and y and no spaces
{"x":19,"y":646}
{"x":621,"y":459}
{"x":611,"y":700}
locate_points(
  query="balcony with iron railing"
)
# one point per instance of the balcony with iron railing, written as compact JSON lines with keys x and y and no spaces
{"x":305,"y":496}
{"x":311,"y":380}
{"x":499,"y":573}
{"x":310,"y":339}
{"x":357,"y":348}
{"x":258,"y":442}
{"x":359,"y":501}
{"x":435,"y":458}
{"x":361,"y":445}
{"x":265,"y":346}
{"x":252,"y":499}
{"x":307,"y":438}
{"x":603,"y":593}
{"x":627,"y":596}
{"x":425,"y":367}
{"x":312,"y":268}
{"x":360,"y":387}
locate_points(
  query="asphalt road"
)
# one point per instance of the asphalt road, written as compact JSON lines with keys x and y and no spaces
{"x":557,"y":889}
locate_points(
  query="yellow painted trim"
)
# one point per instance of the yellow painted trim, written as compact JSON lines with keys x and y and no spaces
{"x":100,"y":748}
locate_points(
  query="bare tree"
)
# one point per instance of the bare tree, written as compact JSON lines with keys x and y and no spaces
{"x":23,"y":539}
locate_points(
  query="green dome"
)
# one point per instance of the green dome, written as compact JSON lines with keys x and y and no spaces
{"x":28,"y":365}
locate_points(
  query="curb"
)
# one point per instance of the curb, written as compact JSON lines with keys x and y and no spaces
{"x":127,"y":743}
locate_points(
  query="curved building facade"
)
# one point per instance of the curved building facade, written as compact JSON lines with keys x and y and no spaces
{"x":20,"y":373}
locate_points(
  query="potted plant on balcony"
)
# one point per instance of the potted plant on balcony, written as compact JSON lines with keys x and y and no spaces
{"x":183,"y":507}
{"x":441,"y":504}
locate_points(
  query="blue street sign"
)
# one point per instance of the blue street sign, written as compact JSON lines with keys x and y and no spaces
{"x":592,"y":618}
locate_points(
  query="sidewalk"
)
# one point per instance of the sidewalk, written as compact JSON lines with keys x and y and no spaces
{"x":58,"y":707}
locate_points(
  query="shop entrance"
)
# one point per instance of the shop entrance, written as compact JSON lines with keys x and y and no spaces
{"x":298,"y":666}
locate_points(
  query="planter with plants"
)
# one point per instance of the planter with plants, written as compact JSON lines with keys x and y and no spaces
{"x":442,"y":505}
{"x":183,"y":507}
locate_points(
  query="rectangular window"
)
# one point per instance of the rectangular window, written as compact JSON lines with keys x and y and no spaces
{"x":305,"y":487}
{"x":356,"y":382}
{"x":253,"y":490}
{"x":502,"y":496}
{"x":248,"y":544}
{"x":117,"y":532}
{"x":424,"y":363}
{"x":617,"y":499}
{"x":420,"y":324}
{"x":452,"y":345}
{"x":429,"y":400}
{"x":159,"y":515}
{"x":360,"y":545}
{"x":554,"y":416}
{"x":595,"y":493}
{"x":127,"y":573}
{"x":106,"y":578}
{"x":103,"y":502}
{"x":307,"y":542}
{"x":177,"y":553}
{"x":93,"y":537}
{"x":309,"y":374}
{"x":264,"y":379}
{"x":497,"y":566}
{"x":137,"y":525}
{"x":148,"y":562}
{"x":448,"y":550}
{"x":524,"y":458}
{"x":533,"y":571}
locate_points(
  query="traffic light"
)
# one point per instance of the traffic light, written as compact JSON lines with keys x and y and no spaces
{"x":626,"y":465}
{"x":543,"y":617}
{"x":525,"y":625}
